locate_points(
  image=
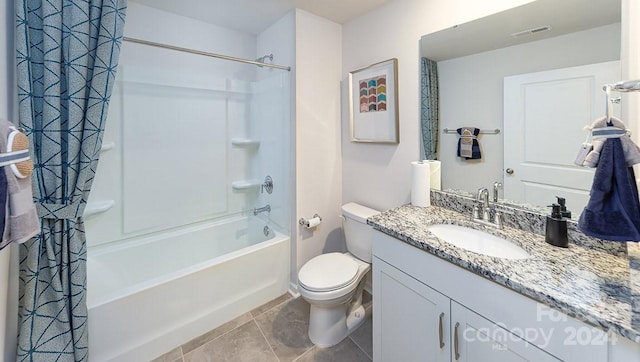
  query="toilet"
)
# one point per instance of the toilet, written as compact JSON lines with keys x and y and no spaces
{"x":333,"y":283}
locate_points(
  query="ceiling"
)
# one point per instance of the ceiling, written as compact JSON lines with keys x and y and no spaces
{"x":253,"y":16}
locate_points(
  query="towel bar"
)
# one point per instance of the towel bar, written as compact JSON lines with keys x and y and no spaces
{"x":489,"y":131}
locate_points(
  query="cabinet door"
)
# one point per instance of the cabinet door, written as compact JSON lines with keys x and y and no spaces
{"x":410,"y":320}
{"x":478,"y":339}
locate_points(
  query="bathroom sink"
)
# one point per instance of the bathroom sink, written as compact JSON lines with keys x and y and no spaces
{"x":478,"y":241}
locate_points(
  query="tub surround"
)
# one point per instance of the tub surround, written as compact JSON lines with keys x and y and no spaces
{"x":595,"y":281}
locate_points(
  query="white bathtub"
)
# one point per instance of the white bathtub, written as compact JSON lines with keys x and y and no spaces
{"x":150,"y":295}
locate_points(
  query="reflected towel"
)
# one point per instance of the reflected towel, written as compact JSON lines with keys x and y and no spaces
{"x":468,"y":146}
{"x":631,"y":150}
{"x":613,"y":210}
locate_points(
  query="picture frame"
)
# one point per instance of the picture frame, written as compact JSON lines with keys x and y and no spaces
{"x":373,"y":103}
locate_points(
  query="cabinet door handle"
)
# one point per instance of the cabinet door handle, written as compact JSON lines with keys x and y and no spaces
{"x":455,"y":341}
{"x":441,"y":330}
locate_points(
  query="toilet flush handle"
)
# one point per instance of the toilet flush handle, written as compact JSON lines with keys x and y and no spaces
{"x":344,"y":218}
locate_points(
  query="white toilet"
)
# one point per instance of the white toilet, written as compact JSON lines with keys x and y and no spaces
{"x":333,"y":283}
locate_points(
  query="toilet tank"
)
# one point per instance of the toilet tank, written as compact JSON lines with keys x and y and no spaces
{"x":357,"y":233}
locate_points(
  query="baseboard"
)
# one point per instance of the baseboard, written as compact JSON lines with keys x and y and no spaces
{"x":293,"y":290}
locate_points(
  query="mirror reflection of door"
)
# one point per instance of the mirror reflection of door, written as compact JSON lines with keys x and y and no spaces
{"x":544,"y":116}
{"x":474,"y":58}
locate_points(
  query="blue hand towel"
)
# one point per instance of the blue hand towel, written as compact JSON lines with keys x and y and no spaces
{"x":468,"y":146}
{"x":613,"y":210}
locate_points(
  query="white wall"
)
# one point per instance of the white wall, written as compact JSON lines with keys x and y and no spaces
{"x":378,"y":175}
{"x":630,"y":64}
{"x":318,"y":161}
{"x":151,"y":24}
{"x":480,"y":103}
{"x":9,"y":255}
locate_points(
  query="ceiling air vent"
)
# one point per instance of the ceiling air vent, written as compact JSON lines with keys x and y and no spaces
{"x":539,"y":29}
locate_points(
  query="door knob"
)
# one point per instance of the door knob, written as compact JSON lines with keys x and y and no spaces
{"x":509,"y":171}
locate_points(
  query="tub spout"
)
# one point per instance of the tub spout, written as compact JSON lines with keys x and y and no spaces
{"x":262,"y":209}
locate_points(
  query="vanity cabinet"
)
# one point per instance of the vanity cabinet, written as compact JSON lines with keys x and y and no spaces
{"x":428,"y":309}
{"x":475,"y":338}
{"x":411,"y":319}
{"x":413,"y":322}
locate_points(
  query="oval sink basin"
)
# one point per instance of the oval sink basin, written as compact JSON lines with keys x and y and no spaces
{"x":478,"y":241}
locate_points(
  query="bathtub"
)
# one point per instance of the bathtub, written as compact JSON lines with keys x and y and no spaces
{"x":149,"y":295}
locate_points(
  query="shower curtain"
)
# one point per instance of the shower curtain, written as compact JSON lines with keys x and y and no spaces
{"x":429,"y":108}
{"x":67,"y":54}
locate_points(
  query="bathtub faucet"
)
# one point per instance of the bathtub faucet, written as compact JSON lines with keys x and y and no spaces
{"x":262,"y":209}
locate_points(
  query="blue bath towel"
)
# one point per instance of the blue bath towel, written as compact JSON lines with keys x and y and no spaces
{"x":468,"y":146}
{"x":613,"y":210}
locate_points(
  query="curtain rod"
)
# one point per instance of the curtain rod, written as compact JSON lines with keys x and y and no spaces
{"x":198,"y":52}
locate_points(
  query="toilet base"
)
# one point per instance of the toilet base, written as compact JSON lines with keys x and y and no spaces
{"x":329,"y":326}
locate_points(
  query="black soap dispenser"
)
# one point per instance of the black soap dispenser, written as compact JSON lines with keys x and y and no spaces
{"x":563,"y":207}
{"x":556,"y":233}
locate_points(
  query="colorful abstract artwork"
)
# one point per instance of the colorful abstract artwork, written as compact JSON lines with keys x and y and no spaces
{"x":373,"y":103}
{"x":373,"y":94}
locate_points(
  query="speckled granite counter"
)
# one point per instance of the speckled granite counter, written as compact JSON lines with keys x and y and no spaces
{"x":597,"y":286}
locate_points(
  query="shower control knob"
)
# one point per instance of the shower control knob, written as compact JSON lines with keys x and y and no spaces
{"x":509,"y":171}
{"x":267,"y":185}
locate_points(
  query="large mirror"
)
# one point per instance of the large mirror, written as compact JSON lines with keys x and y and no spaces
{"x":535,"y":73}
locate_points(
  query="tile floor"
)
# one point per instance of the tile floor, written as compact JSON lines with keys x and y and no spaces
{"x":276,"y":331}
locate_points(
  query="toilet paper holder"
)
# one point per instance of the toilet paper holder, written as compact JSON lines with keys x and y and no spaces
{"x":311,"y":222}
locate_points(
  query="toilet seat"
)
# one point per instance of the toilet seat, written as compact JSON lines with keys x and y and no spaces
{"x":328,"y":272}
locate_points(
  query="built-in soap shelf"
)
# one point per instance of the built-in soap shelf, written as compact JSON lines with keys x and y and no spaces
{"x":98,"y":207}
{"x":245,"y":142}
{"x":246,"y":185}
{"x":108,"y":146}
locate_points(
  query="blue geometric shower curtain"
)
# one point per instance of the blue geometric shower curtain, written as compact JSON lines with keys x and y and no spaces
{"x":67,"y":54}
{"x":429,"y":108}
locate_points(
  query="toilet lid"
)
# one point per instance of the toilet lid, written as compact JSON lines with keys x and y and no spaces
{"x":328,"y":272}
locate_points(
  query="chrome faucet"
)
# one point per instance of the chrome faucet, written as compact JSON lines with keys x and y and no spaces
{"x":496,"y":185}
{"x":482,"y":210}
{"x":483,"y":196}
{"x":483,"y":201}
{"x":262,"y":209}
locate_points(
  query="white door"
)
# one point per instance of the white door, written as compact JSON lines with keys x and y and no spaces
{"x":410,"y":320}
{"x":544,"y":118}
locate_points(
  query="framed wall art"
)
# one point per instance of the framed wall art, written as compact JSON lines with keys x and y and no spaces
{"x":373,"y":103}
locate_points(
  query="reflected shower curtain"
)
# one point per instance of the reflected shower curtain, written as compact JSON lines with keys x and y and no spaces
{"x":429,"y":108}
{"x":67,"y":55}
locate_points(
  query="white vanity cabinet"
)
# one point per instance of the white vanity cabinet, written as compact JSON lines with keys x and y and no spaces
{"x":475,"y":338}
{"x":428,"y":309}
{"x":411,"y":319}
{"x":413,"y":322}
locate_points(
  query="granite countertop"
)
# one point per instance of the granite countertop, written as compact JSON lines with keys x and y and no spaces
{"x":597,"y":287}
